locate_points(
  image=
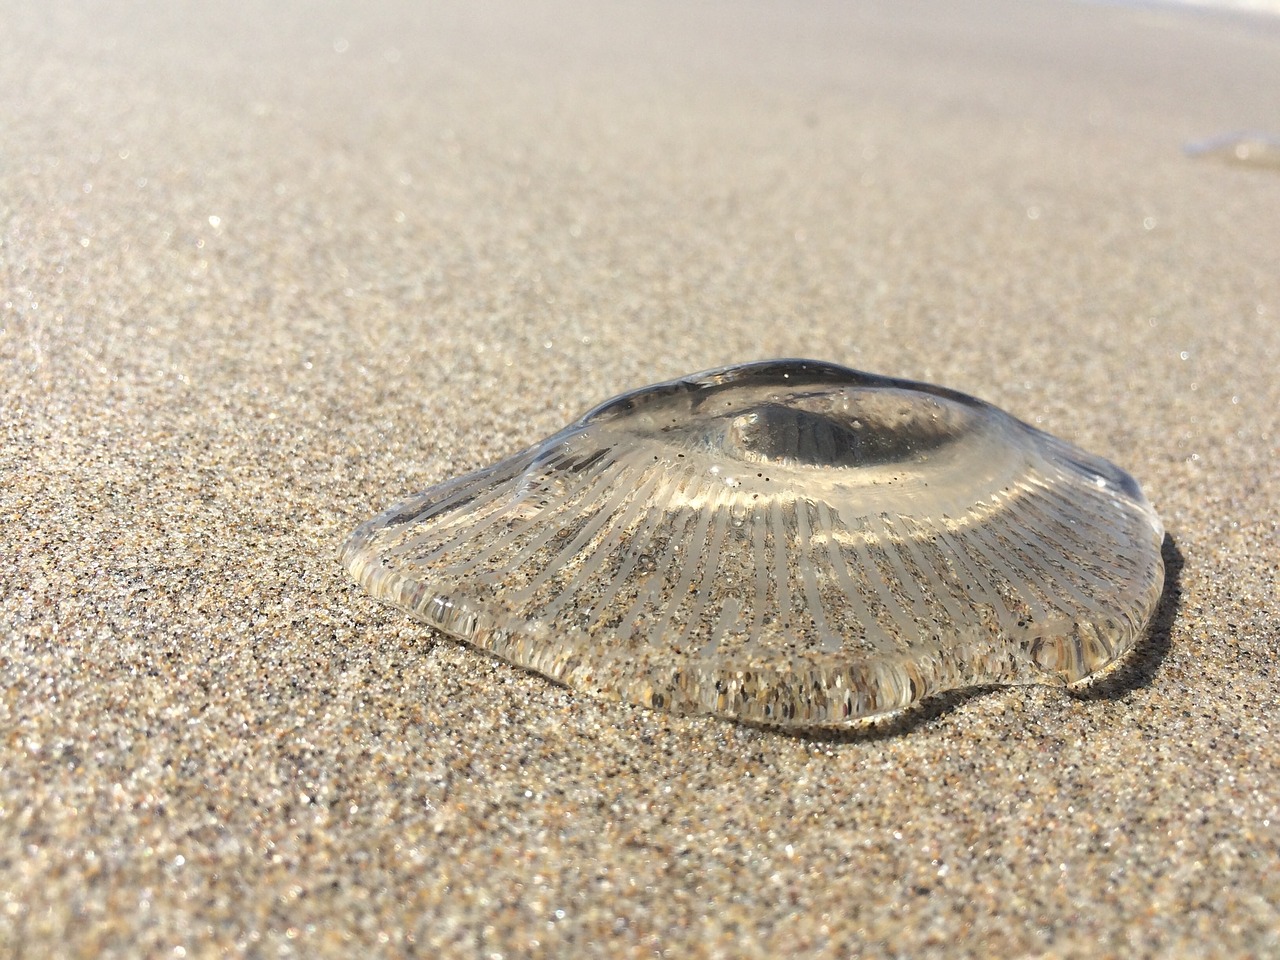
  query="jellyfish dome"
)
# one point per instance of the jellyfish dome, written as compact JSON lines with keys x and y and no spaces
{"x":788,"y":542}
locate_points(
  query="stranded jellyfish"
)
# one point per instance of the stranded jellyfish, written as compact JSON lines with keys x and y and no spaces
{"x":788,"y":542}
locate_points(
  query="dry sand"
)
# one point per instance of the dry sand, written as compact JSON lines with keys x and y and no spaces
{"x":267,"y":267}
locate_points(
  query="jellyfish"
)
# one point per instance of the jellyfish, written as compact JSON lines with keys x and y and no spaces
{"x":786,"y":542}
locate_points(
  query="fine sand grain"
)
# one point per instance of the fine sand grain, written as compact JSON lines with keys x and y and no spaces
{"x":267,"y":267}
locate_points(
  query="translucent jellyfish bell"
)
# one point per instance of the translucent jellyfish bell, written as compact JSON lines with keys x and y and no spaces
{"x":789,"y":542}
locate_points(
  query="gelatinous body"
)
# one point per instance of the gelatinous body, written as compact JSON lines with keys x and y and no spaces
{"x":789,"y":541}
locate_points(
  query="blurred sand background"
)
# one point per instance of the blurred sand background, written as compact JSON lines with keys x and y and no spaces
{"x":267,"y":267}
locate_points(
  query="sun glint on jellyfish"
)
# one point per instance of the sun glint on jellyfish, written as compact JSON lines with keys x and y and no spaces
{"x":787,"y":542}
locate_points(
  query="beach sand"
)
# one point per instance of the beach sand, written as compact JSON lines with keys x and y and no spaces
{"x":266,"y":268}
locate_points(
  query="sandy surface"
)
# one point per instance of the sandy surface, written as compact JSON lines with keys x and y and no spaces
{"x":265,"y":270}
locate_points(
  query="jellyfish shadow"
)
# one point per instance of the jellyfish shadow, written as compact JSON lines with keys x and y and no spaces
{"x":1133,"y":672}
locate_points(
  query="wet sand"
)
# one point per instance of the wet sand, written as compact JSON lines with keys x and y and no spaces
{"x":265,"y":269}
